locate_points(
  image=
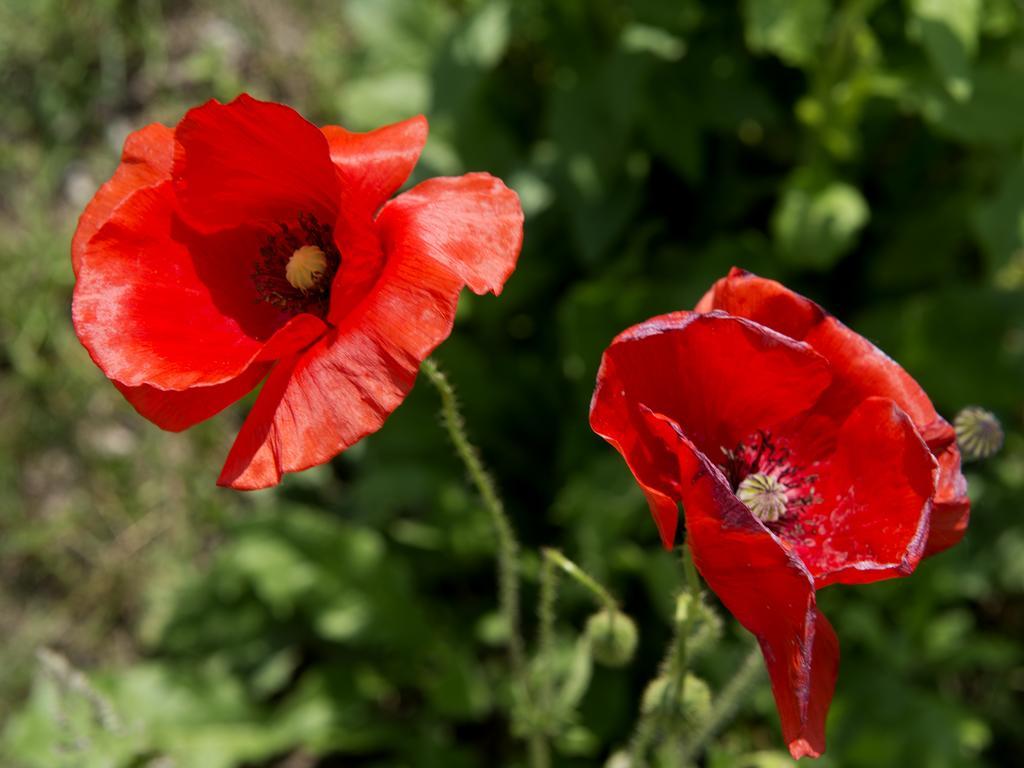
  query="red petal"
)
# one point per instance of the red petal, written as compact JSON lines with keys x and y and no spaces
{"x":472,"y":224}
{"x":343,"y":388}
{"x":442,"y":235}
{"x":175,"y":411}
{"x":147,"y":315}
{"x":859,"y":368}
{"x":372,"y":166}
{"x":145,"y":161}
{"x":251,"y":162}
{"x":720,"y":378}
{"x":764,"y":586}
{"x":951,"y":509}
{"x":872,"y":521}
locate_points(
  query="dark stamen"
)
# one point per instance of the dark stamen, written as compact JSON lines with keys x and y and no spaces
{"x":270,"y":278}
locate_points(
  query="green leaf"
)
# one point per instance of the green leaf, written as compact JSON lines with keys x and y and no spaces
{"x":999,"y":221}
{"x":483,"y":40}
{"x":948,"y":29}
{"x":793,"y":30}
{"x":817,"y":222}
{"x":993,"y":113}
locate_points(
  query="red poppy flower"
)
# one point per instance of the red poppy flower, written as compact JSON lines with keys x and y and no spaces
{"x":248,"y":244}
{"x":802,"y":456}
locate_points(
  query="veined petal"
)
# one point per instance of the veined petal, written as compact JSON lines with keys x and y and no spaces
{"x":764,"y":585}
{"x":148,"y":309}
{"x":341,"y":389}
{"x":345,"y":386}
{"x":951,"y":509}
{"x":251,"y":162}
{"x":472,"y":225}
{"x":874,"y":493}
{"x":372,"y":166}
{"x":175,"y":411}
{"x":859,"y":368}
{"x":145,"y":162}
{"x":720,"y":378}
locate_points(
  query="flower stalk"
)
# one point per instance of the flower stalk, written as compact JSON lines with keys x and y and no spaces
{"x":508,"y":544}
{"x":567,"y":566}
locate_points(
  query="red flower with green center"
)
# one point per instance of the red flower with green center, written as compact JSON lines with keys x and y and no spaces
{"x":802,"y":456}
{"x":246,"y":244}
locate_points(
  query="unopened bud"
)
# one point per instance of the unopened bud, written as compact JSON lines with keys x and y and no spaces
{"x":654,"y":695}
{"x":692,"y":697}
{"x":613,"y":638}
{"x":695,"y":699}
{"x":978,"y":433}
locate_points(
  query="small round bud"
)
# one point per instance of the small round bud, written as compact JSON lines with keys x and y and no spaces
{"x":654,"y":695}
{"x":613,"y":638}
{"x":692,"y":697}
{"x":695,"y":699}
{"x":978,"y":433}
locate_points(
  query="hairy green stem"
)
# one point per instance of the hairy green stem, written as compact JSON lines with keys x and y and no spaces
{"x":582,"y":577}
{"x":654,"y":721}
{"x":508,"y":545}
{"x":725,"y":704}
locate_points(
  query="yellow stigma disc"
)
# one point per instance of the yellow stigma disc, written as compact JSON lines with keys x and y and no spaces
{"x":305,"y":267}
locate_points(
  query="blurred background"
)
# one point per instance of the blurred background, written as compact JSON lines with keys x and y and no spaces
{"x":870,"y":154}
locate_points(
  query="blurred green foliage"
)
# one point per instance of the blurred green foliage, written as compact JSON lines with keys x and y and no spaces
{"x":868,"y":153}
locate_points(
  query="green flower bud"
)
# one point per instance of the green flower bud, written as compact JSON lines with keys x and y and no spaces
{"x":693,"y":698}
{"x":612,"y":638}
{"x":654,"y":695}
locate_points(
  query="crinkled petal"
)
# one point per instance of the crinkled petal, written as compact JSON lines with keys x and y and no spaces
{"x":951,"y":509}
{"x":372,"y":166}
{"x":720,"y":378}
{"x":614,"y":417}
{"x":145,"y":162}
{"x":175,"y":411}
{"x":764,"y":585}
{"x":872,"y":518}
{"x":456,"y":232}
{"x":149,"y":317}
{"x":253,"y":163}
{"x":472,"y":225}
{"x":319,"y":403}
{"x":859,"y":368}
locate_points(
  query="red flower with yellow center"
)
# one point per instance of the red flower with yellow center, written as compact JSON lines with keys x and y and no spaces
{"x":246,"y":244}
{"x":802,"y":457}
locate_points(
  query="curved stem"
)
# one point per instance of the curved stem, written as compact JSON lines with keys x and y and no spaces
{"x":508,"y":545}
{"x":546,"y":628}
{"x":585,"y":579}
{"x":725,"y":705}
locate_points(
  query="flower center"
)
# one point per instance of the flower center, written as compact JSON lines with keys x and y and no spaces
{"x":764,"y":495}
{"x":305,"y":267}
{"x":765,"y":478}
{"x":297,"y":266}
